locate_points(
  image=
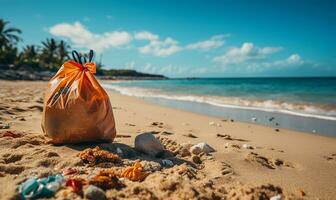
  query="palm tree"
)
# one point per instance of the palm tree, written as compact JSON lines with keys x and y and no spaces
{"x":63,"y":51}
{"x":30,"y":56}
{"x":49,"y":54}
{"x":8,"y":40}
{"x":8,"y":35}
{"x":30,"y":52}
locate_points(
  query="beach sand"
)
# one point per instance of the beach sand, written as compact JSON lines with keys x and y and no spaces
{"x":250,"y":160}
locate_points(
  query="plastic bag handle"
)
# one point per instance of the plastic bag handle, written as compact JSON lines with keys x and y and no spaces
{"x":91,"y":54}
{"x":77,"y":57}
{"x":82,"y":59}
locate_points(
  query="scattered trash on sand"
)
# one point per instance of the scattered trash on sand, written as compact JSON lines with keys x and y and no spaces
{"x":98,"y":155}
{"x":34,"y":188}
{"x":76,"y":184}
{"x":11,"y":134}
{"x":167,"y":163}
{"x":106,"y":179}
{"x":4,"y":126}
{"x":135,"y":173}
{"x":69,"y":171}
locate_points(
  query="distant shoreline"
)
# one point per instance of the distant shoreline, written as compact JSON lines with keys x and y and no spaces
{"x":10,"y":74}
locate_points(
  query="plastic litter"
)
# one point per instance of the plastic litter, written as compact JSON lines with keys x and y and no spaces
{"x":135,"y":173}
{"x":69,"y":171}
{"x":44,"y":187}
{"x":98,"y":155}
{"x":106,"y":179}
{"x":11,"y":134}
{"x":76,"y":184}
{"x":76,"y":107}
{"x":167,"y":163}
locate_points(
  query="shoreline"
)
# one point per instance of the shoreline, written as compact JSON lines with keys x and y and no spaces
{"x":306,"y":161}
{"x":309,"y":123}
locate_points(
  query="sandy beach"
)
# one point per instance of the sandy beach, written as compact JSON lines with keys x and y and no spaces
{"x":250,"y":161}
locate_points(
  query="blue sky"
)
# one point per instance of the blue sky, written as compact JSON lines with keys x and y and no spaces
{"x":190,"y":38}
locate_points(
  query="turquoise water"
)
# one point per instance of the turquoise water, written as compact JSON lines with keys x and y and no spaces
{"x":310,"y":97}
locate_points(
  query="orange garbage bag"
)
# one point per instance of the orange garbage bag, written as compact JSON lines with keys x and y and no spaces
{"x":76,"y":108}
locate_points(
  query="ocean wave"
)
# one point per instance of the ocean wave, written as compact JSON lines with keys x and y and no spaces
{"x":327,"y":112}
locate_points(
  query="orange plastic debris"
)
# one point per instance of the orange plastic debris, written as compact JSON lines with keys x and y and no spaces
{"x":76,"y":108}
{"x":135,"y":173}
{"x":98,"y":155}
{"x":106,"y":179}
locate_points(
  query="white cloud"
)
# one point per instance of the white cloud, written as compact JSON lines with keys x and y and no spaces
{"x":169,"y":46}
{"x":293,"y":60}
{"x":160,"y":48}
{"x":247,"y":52}
{"x":145,"y":35}
{"x":214,"y":42}
{"x":83,"y":38}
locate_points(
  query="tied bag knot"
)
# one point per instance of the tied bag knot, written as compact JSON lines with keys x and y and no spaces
{"x":81,"y":62}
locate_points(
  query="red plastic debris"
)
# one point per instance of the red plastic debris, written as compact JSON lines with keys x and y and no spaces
{"x":69,"y":171}
{"x":11,"y":134}
{"x":76,"y":184}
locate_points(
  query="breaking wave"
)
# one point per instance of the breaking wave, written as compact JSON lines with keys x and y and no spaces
{"x":327,"y":112}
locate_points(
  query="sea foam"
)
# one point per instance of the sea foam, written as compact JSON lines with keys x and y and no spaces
{"x":298,"y":109}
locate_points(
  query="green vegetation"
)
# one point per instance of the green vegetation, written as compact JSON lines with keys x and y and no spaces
{"x":48,"y":56}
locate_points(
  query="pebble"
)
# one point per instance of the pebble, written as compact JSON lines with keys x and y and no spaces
{"x":195,"y":150}
{"x":278,"y":162}
{"x":277,"y":197}
{"x":93,"y":192}
{"x":5,"y":126}
{"x":167,"y":163}
{"x":212,"y":123}
{"x":201,"y":147}
{"x":247,"y":146}
{"x":119,"y":151}
{"x":227,"y":145}
{"x":185,"y":152}
{"x":151,"y":166}
{"x":196,"y":159}
{"x":148,"y":144}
